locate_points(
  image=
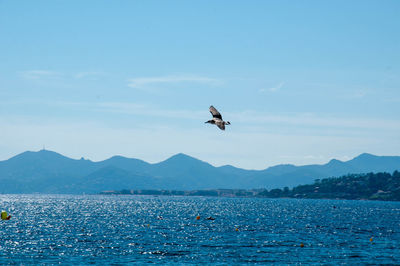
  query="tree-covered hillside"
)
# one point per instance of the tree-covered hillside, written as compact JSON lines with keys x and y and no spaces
{"x":373,"y":186}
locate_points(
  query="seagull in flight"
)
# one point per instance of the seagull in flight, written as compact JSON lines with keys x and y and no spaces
{"x":217,"y":119}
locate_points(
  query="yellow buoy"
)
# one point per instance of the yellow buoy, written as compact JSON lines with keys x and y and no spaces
{"x":5,"y":216}
{"x":371,"y":239}
{"x":237,"y":229}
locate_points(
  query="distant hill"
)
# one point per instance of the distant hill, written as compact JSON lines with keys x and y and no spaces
{"x":49,"y":172}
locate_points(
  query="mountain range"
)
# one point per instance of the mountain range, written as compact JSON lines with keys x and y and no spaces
{"x":50,"y":172}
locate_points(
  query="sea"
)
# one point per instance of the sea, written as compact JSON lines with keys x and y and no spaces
{"x":167,"y":230}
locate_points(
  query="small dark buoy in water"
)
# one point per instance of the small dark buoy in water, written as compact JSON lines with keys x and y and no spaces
{"x":301,"y":245}
{"x":5,"y":216}
{"x":371,"y":239}
{"x":237,"y":229}
{"x":210,"y":218}
{"x":198,"y":217}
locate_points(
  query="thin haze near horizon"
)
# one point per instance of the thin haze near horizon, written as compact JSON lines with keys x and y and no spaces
{"x":301,"y":82}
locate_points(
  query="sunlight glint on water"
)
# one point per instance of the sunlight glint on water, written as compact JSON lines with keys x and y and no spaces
{"x":122,"y":229}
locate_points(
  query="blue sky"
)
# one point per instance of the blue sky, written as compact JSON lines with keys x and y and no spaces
{"x":302,"y":82}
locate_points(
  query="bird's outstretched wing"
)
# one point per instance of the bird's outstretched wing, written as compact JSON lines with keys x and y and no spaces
{"x":215,"y":113}
{"x":221,"y":125}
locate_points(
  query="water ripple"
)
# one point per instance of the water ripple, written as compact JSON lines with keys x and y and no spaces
{"x":52,"y":229}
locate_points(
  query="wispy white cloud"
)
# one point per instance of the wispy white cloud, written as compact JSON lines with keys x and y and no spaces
{"x":249,"y":119}
{"x":144,"y":81}
{"x":305,"y":120}
{"x":129,"y":108}
{"x":88,"y":75}
{"x":358,"y":94}
{"x":39,"y":74}
{"x":273,"y":89}
{"x":47,"y":74}
{"x":137,"y":109}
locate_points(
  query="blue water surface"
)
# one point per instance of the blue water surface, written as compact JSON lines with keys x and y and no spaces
{"x":71,"y":229}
